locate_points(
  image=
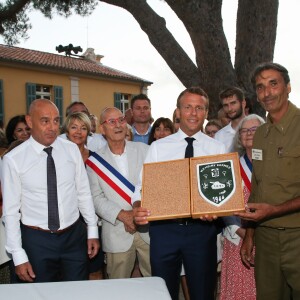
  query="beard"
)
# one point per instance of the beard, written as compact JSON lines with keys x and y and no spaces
{"x":237,"y":115}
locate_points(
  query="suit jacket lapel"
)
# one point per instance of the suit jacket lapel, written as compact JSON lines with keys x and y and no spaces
{"x":132,"y":163}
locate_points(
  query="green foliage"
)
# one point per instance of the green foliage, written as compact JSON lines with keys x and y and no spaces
{"x":65,"y":7}
{"x":14,"y":20}
{"x":15,"y":27}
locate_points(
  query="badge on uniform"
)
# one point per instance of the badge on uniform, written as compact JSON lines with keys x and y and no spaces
{"x":257,"y":154}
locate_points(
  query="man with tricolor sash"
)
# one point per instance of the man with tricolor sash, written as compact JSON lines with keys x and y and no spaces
{"x":113,"y":172}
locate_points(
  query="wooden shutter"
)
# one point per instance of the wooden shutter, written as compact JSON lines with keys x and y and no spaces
{"x":30,"y":94}
{"x":117,"y":100}
{"x":58,"y":100}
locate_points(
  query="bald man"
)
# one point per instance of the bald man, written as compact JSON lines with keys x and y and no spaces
{"x":40,"y":252}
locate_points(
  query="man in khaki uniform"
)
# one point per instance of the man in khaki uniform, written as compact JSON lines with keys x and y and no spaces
{"x":274,"y":204}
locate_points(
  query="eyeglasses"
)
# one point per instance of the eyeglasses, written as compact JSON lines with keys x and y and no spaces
{"x":244,"y":131}
{"x":113,"y":122}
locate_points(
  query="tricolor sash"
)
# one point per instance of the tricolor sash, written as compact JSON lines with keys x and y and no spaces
{"x":246,"y":171}
{"x":111,"y":176}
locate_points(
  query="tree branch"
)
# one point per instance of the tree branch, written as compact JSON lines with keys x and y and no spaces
{"x":9,"y":12}
{"x":160,"y":37}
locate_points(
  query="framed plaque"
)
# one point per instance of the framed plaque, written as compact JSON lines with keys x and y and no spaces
{"x":216,"y":185}
{"x":206,"y":185}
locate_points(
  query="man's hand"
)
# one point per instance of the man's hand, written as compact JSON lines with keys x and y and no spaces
{"x":208,"y":218}
{"x":257,"y":212}
{"x":126,"y":216}
{"x":247,"y":248}
{"x":93,"y":247}
{"x":25,"y":272}
{"x":140,"y":215}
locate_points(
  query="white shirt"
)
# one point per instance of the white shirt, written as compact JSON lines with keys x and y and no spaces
{"x":173,"y":147}
{"x":4,"y":257}
{"x":226,"y":136}
{"x":122,"y":162}
{"x":94,"y":142}
{"x":25,"y":194}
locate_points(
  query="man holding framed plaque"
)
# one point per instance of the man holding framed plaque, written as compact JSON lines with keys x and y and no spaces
{"x":274,"y":203}
{"x":188,"y":241}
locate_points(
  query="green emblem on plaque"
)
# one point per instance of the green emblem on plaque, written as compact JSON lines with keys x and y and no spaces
{"x":216,"y":182}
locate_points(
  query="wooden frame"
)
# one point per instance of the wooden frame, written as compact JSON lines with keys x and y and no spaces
{"x":172,"y":189}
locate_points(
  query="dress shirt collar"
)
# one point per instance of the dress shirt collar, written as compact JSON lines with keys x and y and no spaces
{"x":136,"y":132}
{"x":117,"y":155}
{"x":197,"y":136}
{"x":39,"y":147}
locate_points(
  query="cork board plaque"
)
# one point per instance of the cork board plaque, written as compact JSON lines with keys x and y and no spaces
{"x":194,"y":187}
{"x":216,"y":185}
{"x":166,"y":189}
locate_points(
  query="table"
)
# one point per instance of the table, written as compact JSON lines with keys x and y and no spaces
{"x":147,"y":288}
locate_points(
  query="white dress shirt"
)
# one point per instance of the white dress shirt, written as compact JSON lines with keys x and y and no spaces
{"x":122,"y":162}
{"x":226,"y":136}
{"x":25,"y":194}
{"x":173,"y":147}
{"x":4,"y":256}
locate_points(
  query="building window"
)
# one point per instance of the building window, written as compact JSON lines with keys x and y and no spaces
{"x":52,"y":93}
{"x":121,"y":101}
{"x":43,"y":92}
{"x":124,"y":102}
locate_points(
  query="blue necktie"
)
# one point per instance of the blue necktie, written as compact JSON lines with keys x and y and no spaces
{"x":53,"y":216}
{"x":189,"y":150}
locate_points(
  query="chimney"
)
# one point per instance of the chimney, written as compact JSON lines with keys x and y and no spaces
{"x":89,"y":54}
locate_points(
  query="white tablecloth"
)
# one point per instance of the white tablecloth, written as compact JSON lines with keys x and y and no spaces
{"x":150,"y":288}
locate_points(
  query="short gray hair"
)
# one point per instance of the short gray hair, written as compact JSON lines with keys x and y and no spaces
{"x":237,"y":144}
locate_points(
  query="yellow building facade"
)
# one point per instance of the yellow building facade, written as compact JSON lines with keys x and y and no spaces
{"x":26,"y":75}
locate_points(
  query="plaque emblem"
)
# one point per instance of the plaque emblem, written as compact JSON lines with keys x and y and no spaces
{"x":216,"y":182}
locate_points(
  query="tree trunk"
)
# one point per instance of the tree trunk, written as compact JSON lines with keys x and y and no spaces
{"x":256,"y":26}
{"x":255,"y":41}
{"x":160,"y":37}
{"x":203,"y":21}
{"x":255,"y":38}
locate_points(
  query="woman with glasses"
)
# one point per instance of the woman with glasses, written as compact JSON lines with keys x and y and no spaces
{"x":237,"y":282}
{"x":17,"y":129}
{"x":212,"y":127}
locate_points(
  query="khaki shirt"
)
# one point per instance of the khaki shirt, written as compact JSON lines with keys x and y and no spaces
{"x":276,"y":178}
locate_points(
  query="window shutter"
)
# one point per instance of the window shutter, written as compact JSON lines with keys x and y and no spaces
{"x":117,"y":100}
{"x":1,"y":101}
{"x":30,"y":93}
{"x":58,"y":100}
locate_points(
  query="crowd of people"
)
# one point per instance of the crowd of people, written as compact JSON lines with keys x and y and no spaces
{"x":71,"y":197}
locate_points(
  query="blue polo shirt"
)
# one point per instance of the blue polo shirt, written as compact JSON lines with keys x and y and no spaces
{"x":143,"y":138}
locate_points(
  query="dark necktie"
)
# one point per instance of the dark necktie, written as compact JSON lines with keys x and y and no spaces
{"x":53,"y":217}
{"x":189,"y":150}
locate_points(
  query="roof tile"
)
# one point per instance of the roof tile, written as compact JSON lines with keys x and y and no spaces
{"x":61,"y":62}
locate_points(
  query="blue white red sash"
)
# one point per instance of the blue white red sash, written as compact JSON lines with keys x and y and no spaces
{"x":246,"y":171}
{"x":111,"y":176}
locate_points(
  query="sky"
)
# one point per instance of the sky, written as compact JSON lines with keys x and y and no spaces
{"x":114,"y":33}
